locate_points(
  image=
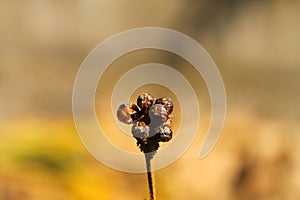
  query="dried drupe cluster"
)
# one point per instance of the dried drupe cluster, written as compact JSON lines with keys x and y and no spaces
{"x":151,"y":121}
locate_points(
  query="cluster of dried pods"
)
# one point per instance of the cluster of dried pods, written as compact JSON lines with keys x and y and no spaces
{"x":151,"y":121}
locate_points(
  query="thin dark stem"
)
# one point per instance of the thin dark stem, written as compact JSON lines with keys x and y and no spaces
{"x":148,"y":157}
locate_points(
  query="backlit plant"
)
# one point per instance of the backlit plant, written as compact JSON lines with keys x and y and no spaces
{"x":151,"y":124}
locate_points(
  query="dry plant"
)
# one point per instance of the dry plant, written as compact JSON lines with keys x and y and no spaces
{"x":151,"y":125}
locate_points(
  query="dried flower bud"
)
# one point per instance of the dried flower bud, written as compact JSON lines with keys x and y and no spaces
{"x":166,"y":102}
{"x":145,"y":101}
{"x":165,"y":133}
{"x":158,"y":113}
{"x":140,"y":130}
{"x":127,"y":113}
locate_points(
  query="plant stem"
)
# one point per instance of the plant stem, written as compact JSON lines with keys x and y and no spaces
{"x":148,"y":157}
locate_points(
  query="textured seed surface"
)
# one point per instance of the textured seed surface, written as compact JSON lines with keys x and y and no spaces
{"x":126,"y":112}
{"x":150,"y":119}
{"x":145,"y":101}
{"x":167,"y":102}
{"x":140,"y":130}
{"x":158,"y":113}
{"x":165,"y":133}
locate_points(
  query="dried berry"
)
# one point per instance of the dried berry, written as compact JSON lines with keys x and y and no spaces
{"x":127,"y":113}
{"x":158,"y":113}
{"x":167,"y":102}
{"x":140,"y":130}
{"x":145,"y":101}
{"x":165,"y":133}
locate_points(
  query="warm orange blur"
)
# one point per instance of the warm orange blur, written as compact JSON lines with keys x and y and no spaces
{"x":256,"y":47}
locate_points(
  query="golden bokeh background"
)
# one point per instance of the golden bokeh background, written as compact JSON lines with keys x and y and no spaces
{"x":254,"y":43}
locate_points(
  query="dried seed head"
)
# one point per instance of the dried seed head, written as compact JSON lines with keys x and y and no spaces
{"x":165,"y":133}
{"x":127,"y":113}
{"x":158,"y":113}
{"x":140,"y":130}
{"x":166,"y":102}
{"x":145,"y":101}
{"x":148,"y":135}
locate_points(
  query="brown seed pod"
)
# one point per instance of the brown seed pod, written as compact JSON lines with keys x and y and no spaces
{"x":145,"y":101}
{"x":127,"y":113}
{"x":167,"y":102}
{"x":158,"y":113}
{"x":165,"y":133}
{"x":140,"y":130}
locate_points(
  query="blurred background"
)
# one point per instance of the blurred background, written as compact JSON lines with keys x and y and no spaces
{"x":254,"y":43}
